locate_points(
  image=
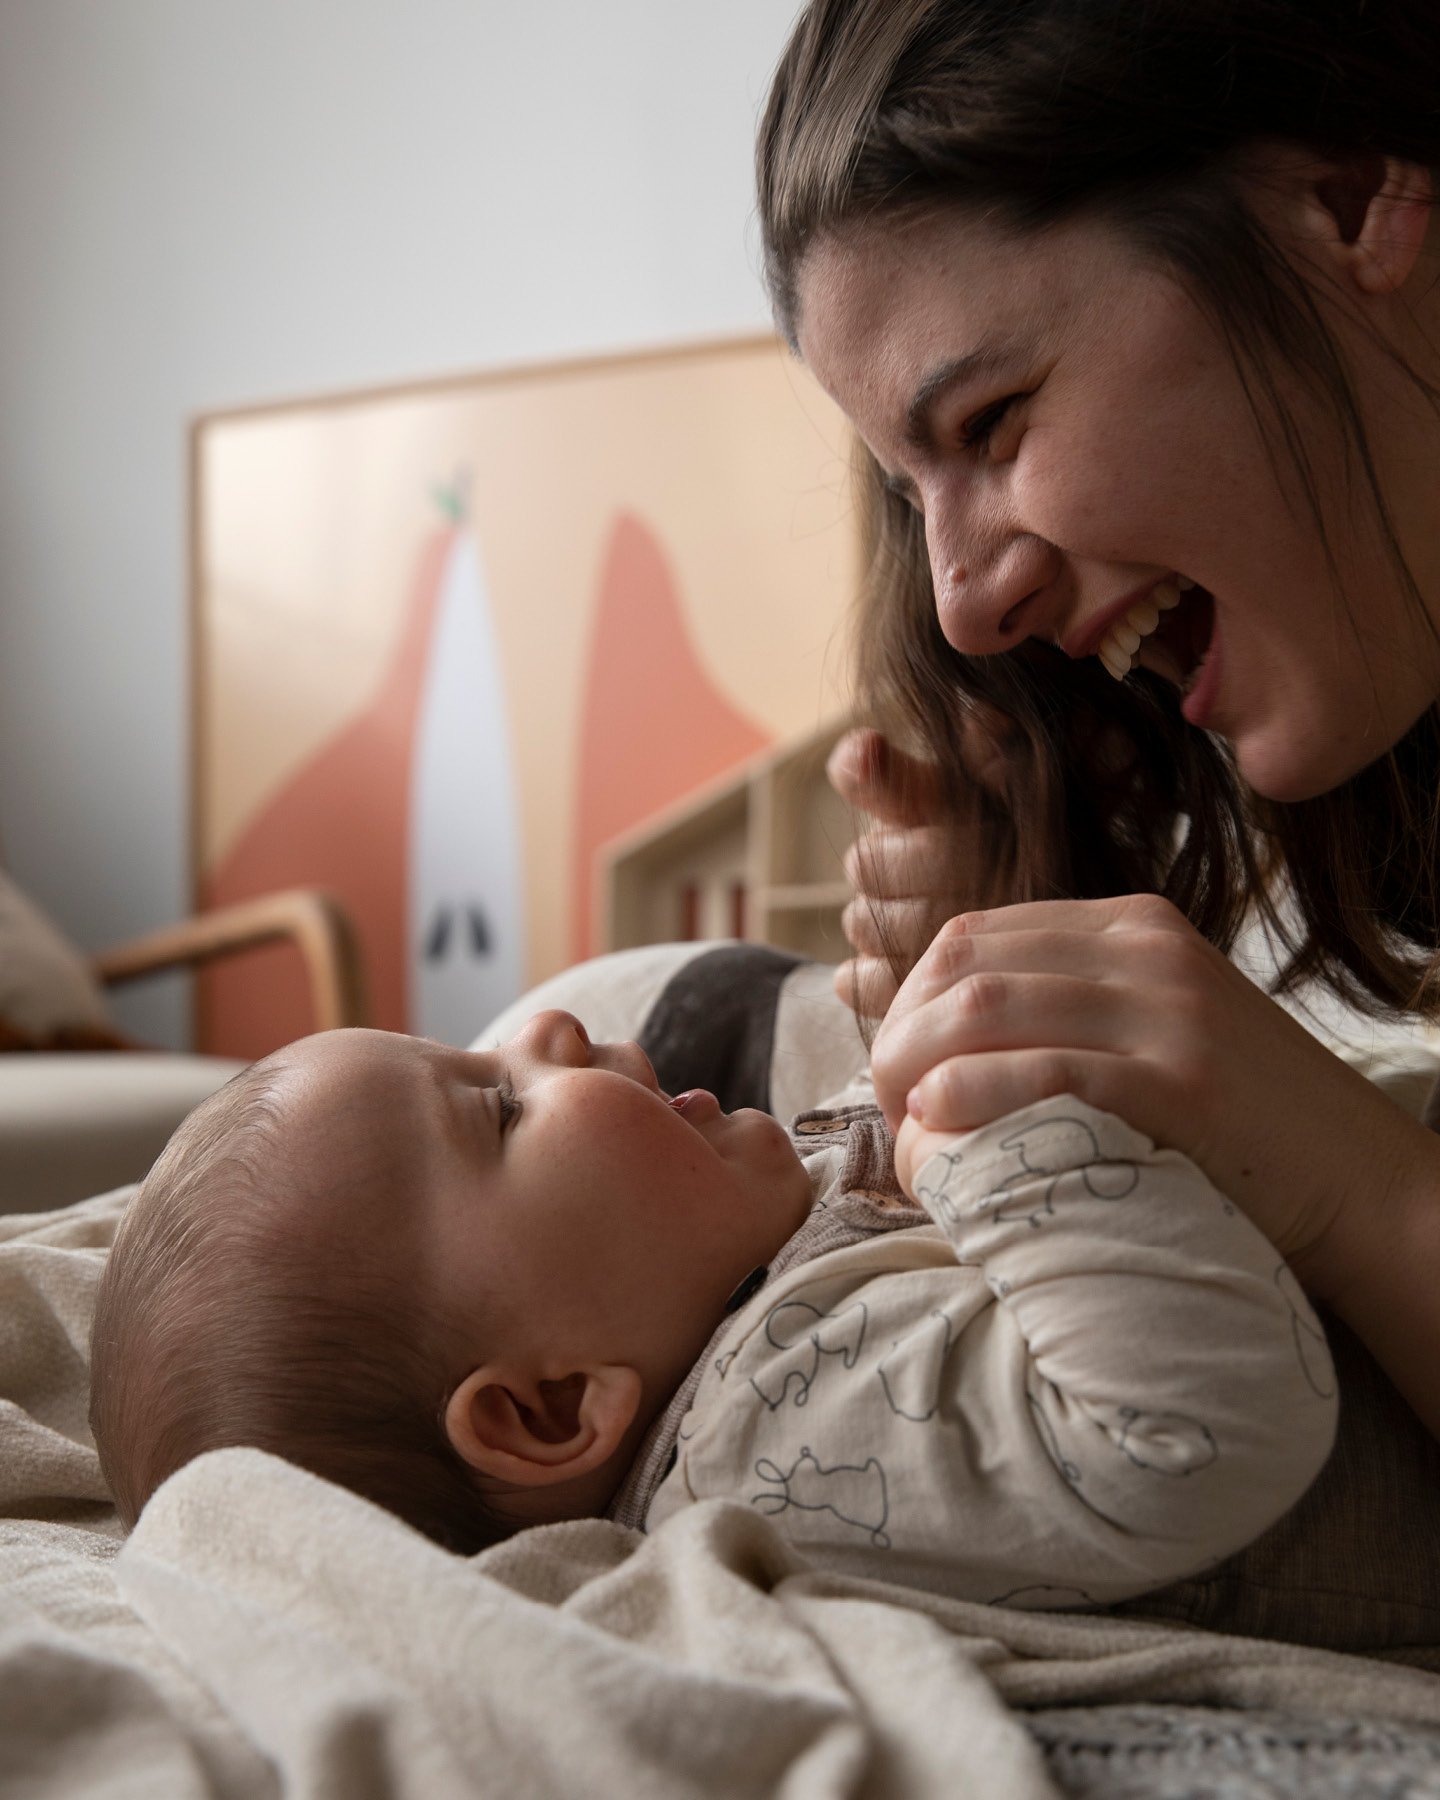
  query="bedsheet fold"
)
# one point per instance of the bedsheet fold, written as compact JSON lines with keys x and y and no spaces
{"x":707,"y":1660}
{"x":265,"y":1636}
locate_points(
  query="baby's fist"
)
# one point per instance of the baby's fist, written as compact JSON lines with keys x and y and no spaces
{"x":914,"y":1146}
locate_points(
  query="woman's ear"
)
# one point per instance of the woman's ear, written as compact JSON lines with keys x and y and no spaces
{"x":531,"y":1433}
{"x":1364,"y":217}
{"x":1390,"y":227}
{"x":1376,"y":210}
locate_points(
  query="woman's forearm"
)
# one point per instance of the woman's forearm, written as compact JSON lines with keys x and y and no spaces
{"x":1379,"y":1270}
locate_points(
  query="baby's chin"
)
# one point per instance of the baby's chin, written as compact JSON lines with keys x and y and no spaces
{"x":775,"y":1193}
{"x":792,"y":1181}
{"x":768,"y":1135}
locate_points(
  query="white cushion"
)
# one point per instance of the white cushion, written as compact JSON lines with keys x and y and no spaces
{"x":611,"y":995}
{"x":816,"y":1050}
{"x":45,"y":982}
{"x":73,"y":1124}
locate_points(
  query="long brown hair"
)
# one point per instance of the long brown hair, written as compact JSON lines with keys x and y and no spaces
{"x":1135,"y":111}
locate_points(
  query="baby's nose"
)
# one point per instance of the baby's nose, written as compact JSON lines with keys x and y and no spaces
{"x":559,"y":1037}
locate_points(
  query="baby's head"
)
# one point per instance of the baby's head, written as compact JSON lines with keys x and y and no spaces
{"x":460,"y":1283}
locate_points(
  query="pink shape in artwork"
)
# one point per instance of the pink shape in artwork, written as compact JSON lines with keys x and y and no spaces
{"x":341,"y":823}
{"x":654,"y":726}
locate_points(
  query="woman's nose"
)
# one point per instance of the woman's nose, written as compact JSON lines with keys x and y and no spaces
{"x":993,"y":586}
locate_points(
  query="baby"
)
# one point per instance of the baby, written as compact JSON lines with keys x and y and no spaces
{"x":1044,"y":1363}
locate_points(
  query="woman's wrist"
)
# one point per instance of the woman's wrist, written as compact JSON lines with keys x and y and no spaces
{"x":1377,"y":1266}
{"x":1383,"y":1211}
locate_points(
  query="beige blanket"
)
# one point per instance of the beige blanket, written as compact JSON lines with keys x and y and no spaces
{"x":265,"y":1634}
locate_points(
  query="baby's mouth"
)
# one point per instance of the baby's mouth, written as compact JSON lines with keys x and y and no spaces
{"x":695,"y":1104}
{"x":1169,"y":632}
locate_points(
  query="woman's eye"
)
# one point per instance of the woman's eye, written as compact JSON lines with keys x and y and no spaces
{"x":509,"y":1105}
{"x":977,"y":429}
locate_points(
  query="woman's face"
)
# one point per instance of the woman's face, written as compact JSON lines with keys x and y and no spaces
{"x":1075,"y":435}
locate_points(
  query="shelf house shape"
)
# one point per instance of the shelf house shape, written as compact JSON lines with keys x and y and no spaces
{"x":756,"y":855}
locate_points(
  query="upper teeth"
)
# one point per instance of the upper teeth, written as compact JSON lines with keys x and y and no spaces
{"x":1120,"y":643}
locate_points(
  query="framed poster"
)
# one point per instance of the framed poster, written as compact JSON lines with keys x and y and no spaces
{"x":452,"y":639}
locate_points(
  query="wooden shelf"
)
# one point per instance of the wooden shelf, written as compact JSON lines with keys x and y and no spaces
{"x":757,"y":855}
{"x":804,"y":894}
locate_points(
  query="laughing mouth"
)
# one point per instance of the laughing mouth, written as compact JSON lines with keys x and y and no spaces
{"x":1168,"y":632}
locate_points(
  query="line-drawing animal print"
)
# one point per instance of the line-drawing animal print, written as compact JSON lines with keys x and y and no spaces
{"x":809,"y":1335}
{"x":935,"y":1196}
{"x":1057,"y":1148}
{"x":854,"y":1493}
{"x":910,"y":1374}
{"x":1040,"y":1595}
{"x":1167,"y":1443}
{"x":1310,"y":1345}
{"x":1046,"y":1431}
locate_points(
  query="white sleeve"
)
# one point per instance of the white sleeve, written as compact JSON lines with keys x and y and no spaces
{"x":1177,"y":1377}
{"x":1106,"y":1379}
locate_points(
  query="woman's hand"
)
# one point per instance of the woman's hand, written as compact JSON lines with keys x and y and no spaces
{"x":908,"y":870}
{"x":897,"y":868}
{"x":1122,"y":1003}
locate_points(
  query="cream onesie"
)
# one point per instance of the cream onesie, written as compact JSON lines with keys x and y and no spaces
{"x":1083,"y":1375}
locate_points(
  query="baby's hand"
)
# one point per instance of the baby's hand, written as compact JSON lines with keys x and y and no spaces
{"x":914,"y":1146}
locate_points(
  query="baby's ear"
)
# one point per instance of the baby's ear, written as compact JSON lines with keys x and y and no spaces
{"x":532,"y":1433}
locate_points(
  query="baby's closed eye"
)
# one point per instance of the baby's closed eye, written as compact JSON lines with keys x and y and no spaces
{"x":509,"y":1104}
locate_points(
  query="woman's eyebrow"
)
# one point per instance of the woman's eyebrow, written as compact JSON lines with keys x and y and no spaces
{"x":959,"y":368}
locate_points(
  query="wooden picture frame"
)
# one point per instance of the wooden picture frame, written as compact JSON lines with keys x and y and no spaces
{"x":451,"y":640}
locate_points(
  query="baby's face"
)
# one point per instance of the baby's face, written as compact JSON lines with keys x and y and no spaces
{"x":549,"y":1188}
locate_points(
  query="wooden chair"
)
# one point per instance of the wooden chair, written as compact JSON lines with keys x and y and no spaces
{"x":314,"y":920}
{"x":77,"y":1122}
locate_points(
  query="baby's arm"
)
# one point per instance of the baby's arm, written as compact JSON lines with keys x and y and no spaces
{"x":1175,"y":1373}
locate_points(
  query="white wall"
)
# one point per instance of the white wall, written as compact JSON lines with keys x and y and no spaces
{"x":210,"y":202}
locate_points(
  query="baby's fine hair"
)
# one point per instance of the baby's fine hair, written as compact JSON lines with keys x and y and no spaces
{"x":218,"y":1325}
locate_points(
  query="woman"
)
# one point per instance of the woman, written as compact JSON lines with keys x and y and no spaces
{"x":1134,"y":306}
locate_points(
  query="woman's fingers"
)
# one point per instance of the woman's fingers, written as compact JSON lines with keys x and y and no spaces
{"x":902,"y":928}
{"x":1087,"y":937}
{"x":868,"y":771}
{"x":960,"y":973}
{"x":867,"y":985}
{"x":905,"y":870}
{"x":1119,"y":912}
{"x":900,"y":865}
{"x":1005,"y":1011}
{"x":898,"y":869}
{"x":956,"y":957}
{"x":1125,"y":978}
{"x":969,"y":1091}
{"x":985,"y":737}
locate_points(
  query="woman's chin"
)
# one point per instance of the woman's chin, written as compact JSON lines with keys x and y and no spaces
{"x":1278,"y":766}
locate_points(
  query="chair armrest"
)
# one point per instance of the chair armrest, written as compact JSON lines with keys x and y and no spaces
{"x":316,"y":921}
